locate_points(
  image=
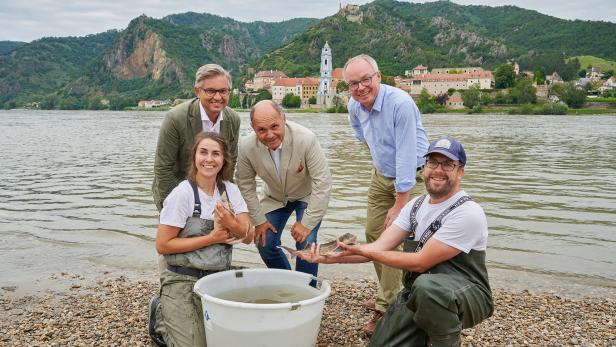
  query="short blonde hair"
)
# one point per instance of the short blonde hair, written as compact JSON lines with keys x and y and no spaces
{"x":363,"y":57}
{"x":211,"y":70}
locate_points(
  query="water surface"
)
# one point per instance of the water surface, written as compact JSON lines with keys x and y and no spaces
{"x":75,"y":191}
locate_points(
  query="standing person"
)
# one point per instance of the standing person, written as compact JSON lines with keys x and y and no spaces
{"x":445,"y":233}
{"x":387,"y":120}
{"x":290,"y":162}
{"x":192,"y":247}
{"x":208,"y":111}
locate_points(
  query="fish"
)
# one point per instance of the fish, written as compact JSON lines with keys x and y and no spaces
{"x":226,"y":204}
{"x":328,"y":247}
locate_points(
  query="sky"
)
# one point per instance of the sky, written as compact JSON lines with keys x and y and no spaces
{"x":27,"y":20}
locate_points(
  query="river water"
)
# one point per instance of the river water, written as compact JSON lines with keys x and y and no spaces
{"x":75,"y":195}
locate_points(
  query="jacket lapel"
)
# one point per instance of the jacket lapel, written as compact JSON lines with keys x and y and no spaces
{"x":286,"y":155}
{"x":194,"y":117}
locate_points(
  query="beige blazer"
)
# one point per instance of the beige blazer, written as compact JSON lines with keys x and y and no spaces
{"x":304,"y":171}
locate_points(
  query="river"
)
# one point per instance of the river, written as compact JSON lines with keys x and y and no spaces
{"x":75,"y":195}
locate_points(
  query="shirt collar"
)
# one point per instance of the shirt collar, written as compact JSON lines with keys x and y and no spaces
{"x":378,"y":101}
{"x":204,"y":116}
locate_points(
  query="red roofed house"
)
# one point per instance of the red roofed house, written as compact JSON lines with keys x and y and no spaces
{"x":437,"y":84}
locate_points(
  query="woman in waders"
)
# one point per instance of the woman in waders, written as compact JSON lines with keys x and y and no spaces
{"x":190,"y":243}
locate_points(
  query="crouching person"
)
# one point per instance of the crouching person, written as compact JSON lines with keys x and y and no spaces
{"x":192,"y":245}
{"x":444,"y":234}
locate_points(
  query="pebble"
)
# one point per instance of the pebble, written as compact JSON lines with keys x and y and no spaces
{"x":114,"y":313}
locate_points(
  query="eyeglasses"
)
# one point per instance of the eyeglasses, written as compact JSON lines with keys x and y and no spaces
{"x":446,"y":165}
{"x":364,"y":81}
{"x":209,"y":92}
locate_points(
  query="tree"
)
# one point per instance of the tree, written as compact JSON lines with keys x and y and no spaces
{"x":471,"y":97}
{"x":338,"y":106}
{"x":291,"y":101}
{"x":312,"y":100}
{"x":570,"y":94}
{"x":388,"y":80}
{"x":582,"y":73}
{"x":450,"y":91}
{"x":504,"y":76}
{"x":341,"y":87}
{"x":262,"y":94}
{"x":426,"y":103}
{"x":523,"y":92}
{"x":234,"y":100}
{"x":539,"y":76}
{"x":608,"y":74}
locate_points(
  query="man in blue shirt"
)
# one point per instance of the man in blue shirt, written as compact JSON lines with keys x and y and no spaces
{"x":387,"y":120}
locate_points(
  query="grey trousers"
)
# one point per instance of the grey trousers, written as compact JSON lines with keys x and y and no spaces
{"x":180,"y":317}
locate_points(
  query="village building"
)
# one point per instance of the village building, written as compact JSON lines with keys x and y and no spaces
{"x":152,"y":103}
{"x":455,"y":70}
{"x":554,"y":78}
{"x":417,"y":71}
{"x":305,"y":88}
{"x":437,"y":84}
{"x":608,"y":85}
{"x":264,"y":80}
{"x":455,"y":101}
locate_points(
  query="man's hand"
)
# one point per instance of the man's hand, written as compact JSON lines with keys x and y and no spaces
{"x":261,"y":232}
{"x":392,"y":214}
{"x":314,"y":255}
{"x":299,"y":232}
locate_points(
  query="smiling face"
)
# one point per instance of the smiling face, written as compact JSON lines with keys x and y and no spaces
{"x":359,"y":70}
{"x":441,"y":184}
{"x":268,"y":124}
{"x":209,"y":158}
{"x":213,"y":104}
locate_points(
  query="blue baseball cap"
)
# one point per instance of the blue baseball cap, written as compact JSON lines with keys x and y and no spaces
{"x":448,"y":147}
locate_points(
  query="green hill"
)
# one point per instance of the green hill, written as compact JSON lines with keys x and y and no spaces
{"x":401,"y":35}
{"x":157,"y":58}
{"x":601,"y":64}
{"x":151,"y":58}
{"x":8,"y":46}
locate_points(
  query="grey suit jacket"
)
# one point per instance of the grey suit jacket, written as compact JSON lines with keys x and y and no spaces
{"x":175,"y":140}
{"x":304,"y":170}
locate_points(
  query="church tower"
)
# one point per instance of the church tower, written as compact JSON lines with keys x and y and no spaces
{"x":323,"y":93}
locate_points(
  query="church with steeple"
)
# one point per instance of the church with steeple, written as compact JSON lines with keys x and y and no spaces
{"x":324,"y":94}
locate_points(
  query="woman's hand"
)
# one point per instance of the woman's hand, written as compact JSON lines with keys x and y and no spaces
{"x":220,"y":235}
{"x":224,"y":217}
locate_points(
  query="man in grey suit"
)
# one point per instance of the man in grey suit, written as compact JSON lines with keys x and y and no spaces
{"x":296,"y":178}
{"x":208,"y":111}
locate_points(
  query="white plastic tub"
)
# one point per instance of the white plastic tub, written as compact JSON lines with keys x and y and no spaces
{"x":233,"y":323}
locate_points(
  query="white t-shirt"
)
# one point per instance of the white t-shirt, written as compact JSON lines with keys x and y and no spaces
{"x":180,"y":203}
{"x":464,"y":228}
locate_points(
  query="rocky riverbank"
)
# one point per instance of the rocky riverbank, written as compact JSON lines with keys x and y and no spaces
{"x":113,"y":313}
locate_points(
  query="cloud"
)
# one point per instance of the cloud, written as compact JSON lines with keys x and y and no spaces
{"x":33,"y":19}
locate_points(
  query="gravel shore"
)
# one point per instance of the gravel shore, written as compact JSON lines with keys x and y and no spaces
{"x":113,"y":313}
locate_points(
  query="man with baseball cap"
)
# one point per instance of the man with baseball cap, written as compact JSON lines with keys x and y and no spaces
{"x":445,"y":234}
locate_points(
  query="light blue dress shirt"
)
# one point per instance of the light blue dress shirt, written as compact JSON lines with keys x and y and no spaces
{"x":394,"y":133}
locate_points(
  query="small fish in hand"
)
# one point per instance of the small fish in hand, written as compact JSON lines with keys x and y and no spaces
{"x":224,"y":201}
{"x":331,"y":246}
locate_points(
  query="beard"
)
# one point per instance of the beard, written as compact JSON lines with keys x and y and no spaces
{"x":439,"y":189}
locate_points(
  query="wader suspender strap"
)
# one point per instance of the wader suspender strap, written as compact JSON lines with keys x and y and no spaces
{"x":436,"y":224}
{"x":197,"y":208}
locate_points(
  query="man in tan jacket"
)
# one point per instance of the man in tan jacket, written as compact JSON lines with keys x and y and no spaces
{"x":290,"y":162}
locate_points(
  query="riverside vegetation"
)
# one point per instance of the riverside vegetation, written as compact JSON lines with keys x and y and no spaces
{"x":156,"y":58}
